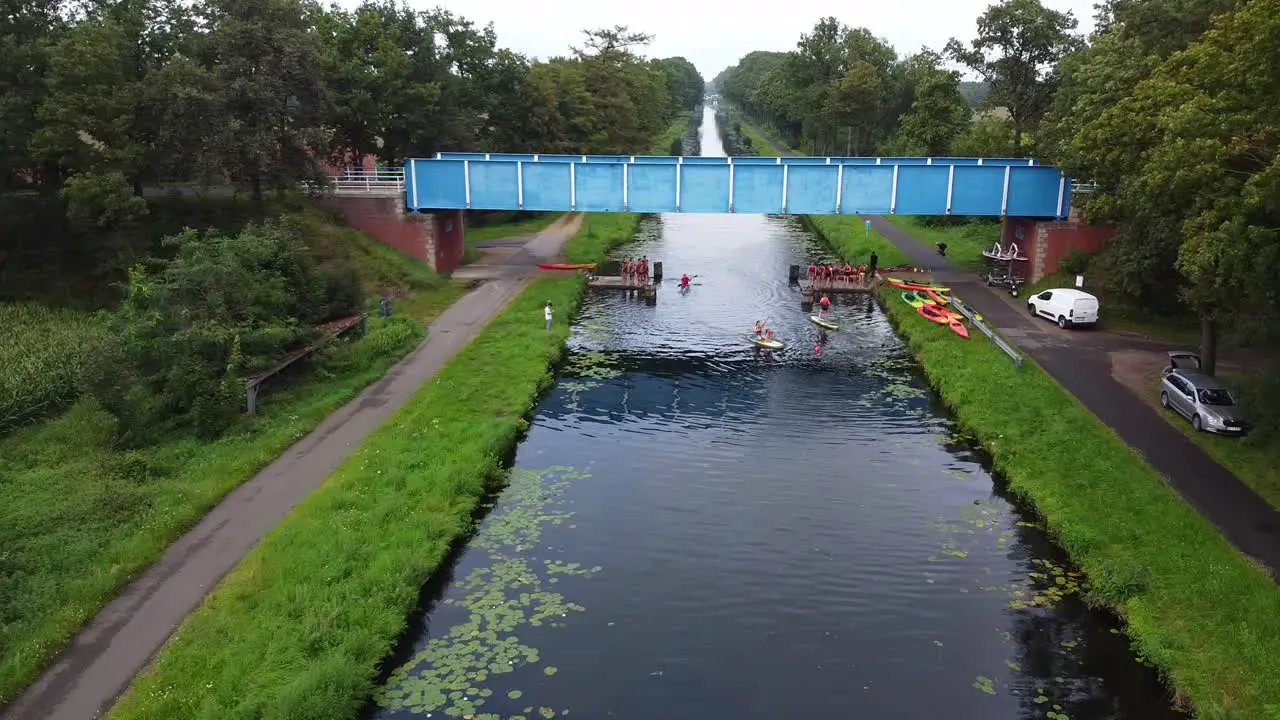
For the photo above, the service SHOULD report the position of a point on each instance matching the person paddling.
(684, 282)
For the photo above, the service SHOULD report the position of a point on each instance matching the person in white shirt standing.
(547, 312)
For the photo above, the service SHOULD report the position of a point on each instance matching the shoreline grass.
(80, 518)
(43, 359)
(849, 237)
(300, 628)
(1197, 609)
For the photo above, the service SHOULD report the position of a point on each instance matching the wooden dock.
(621, 283)
(835, 287)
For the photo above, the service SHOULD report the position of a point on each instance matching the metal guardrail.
(999, 341)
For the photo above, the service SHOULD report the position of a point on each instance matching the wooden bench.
(328, 331)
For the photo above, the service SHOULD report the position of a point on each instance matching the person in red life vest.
(759, 329)
(813, 270)
(684, 282)
(825, 304)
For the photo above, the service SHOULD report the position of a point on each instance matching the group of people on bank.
(829, 272)
(635, 269)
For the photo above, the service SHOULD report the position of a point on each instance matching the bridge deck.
(795, 186)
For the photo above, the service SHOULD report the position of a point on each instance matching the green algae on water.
(501, 597)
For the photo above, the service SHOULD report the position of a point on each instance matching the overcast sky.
(714, 34)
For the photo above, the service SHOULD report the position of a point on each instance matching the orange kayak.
(931, 313)
(566, 266)
(958, 328)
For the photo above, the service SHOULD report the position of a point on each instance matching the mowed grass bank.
(80, 517)
(1194, 606)
(300, 627)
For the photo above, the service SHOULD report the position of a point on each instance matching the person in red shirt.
(825, 304)
(813, 270)
(684, 282)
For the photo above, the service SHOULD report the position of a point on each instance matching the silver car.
(1202, 399)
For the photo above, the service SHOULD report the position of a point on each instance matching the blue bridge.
(769, 185)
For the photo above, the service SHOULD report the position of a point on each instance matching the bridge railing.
(383, 182)
(738, 160)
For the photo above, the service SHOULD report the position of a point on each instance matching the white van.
(1066, 306)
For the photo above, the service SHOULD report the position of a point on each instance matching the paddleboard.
(825, 324)
(767, 344)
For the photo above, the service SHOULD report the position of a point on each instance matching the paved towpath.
(111, 648)
(1081, 363)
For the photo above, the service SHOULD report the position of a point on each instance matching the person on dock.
(684, 282)
(871, 266)
(547, 313)
(813, 271)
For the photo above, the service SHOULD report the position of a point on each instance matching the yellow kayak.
(767, 344)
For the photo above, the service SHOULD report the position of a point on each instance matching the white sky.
(714, 34)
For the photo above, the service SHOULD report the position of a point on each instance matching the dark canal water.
(696, 531)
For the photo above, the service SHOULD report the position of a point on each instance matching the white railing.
(1083, 188)
(383, 182)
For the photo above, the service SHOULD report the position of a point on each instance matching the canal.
(696, 530)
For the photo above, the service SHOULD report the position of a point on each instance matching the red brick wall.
(1047, 242)
(386, 220)
(449, 227)
(1062, 238)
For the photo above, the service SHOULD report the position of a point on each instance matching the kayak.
(958, 328)
(925, 297)
(936, 297)
(824, 324)
(909, 297)
(931, 313)
(904, 285)
(566, 266)
(767, 344)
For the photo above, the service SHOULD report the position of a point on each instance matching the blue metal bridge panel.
(975, 191)
(651, 188)
(547, 186)
(615, 183)
(811, 190)
(436, 184)
(757, 188)
(704, 188)
(495, 185)
(922, 190)
(867, 189)
(1036, 191)
(598, 186)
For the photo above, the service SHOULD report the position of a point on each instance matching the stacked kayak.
(566, 266)
(944, 317)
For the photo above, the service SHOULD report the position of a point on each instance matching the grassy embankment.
(965, 242)
(80, 517)
(301, 626)
(664, 143)
(1194, 606)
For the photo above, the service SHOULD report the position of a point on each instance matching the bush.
(1075, 262)
(43, 359)
(190, 328)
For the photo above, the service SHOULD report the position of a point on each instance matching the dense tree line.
(103, 101)
(1169, 106)
(106, 105)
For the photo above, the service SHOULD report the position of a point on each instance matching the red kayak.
(566, 266)
(931, 313)
(917, 286)
(936, 297)
(944, 317)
